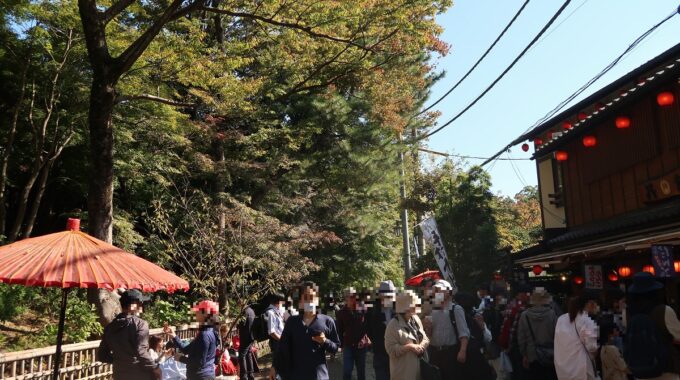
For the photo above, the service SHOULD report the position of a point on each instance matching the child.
(613, 365)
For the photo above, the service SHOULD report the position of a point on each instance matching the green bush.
(161, 311)
(12, 301)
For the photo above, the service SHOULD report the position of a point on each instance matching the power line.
(478, 61)
(571, 97)
(611, 65)
(558, 25)
(468, 157)
(533, 41)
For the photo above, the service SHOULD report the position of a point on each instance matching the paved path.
(334, 367)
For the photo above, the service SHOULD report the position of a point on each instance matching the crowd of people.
(432, 333)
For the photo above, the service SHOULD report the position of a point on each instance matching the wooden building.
(609, 177)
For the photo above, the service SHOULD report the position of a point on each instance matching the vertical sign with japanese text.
(594, 278)
(431, 234)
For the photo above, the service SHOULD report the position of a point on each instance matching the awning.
(603, 249)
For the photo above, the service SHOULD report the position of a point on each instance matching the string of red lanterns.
(663, 99)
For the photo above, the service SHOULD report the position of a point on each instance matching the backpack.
(647, 353)
(260, 328)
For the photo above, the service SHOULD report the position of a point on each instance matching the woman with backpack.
(652, 330)
(576, 339)
(536, 335)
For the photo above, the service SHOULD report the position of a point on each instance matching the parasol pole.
(60, 333)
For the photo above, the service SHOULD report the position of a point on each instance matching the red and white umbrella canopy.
(73, 259)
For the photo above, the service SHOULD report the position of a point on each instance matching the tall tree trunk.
(37, 199)
(100, 196)
(8, 151)
(23, 200)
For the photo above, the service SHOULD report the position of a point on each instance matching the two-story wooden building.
(609, 176)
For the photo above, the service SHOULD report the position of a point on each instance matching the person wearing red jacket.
(508, 338)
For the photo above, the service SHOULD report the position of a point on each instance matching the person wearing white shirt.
(576, 336)
(274, 315)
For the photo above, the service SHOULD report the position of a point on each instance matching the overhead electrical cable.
(559, 24)
(594, 79)
(589, 83)
(512, 21)
(507, 69)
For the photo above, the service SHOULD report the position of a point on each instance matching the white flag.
(431, 234)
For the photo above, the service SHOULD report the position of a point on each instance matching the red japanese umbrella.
(419, 278)
(73, 259)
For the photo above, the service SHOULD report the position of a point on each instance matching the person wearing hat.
(125, 342)
(448, 340)
(201, 350)
(537, 329)
(380, 315)
(405, 339)
(352, 328)
(646, 304)
(576, 335)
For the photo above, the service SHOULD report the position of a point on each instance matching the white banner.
(431, 234)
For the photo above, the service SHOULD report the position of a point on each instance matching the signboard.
(661, 188)
(594, 278)
(431, 234)
(662, 259)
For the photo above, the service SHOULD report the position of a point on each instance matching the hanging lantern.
(648, 268)
(538, 141)
(578, 280)
(567, 126)
(622, 122)
(625, 272)
(550, 135)
(537, 269)
(561, 155)
(582, 116)
(613, 276)
(525, 147)
(665, 98)
(676, 266)
(589, 141)
(599, 106)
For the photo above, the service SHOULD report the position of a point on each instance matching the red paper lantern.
(538, 141)
(525, 147)
(676, 266)
(622, 122)
(613, 276)
(665, 98)
(582, 116)
(625, 272)
(648, 268)
(561, 155)
(550, 135)
(578, 280)
(567, 126)
(537, 269)
(589, 141)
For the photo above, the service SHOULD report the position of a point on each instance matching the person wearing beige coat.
(405, 339)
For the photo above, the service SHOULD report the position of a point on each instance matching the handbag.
(592, 362)
(429, 371)
(506, 363)
(545, 353)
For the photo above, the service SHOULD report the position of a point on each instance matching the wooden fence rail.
(78, 361)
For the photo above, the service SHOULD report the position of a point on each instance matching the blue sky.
(578, 46)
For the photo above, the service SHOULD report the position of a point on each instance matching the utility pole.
(404, 215)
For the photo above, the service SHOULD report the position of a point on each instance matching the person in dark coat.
(125, 343)
(305, 341)
(381, 314)
(201, 350)
(352, 328)
(247, 360)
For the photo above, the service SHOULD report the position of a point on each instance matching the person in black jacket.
(381, 314)
(125, 343)
(247, 360)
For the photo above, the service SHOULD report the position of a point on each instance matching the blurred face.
(135, 309)
(387, 302)
(351, 301)
(441, 296)
(201, 317)
(309, 300)
(592, 307)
